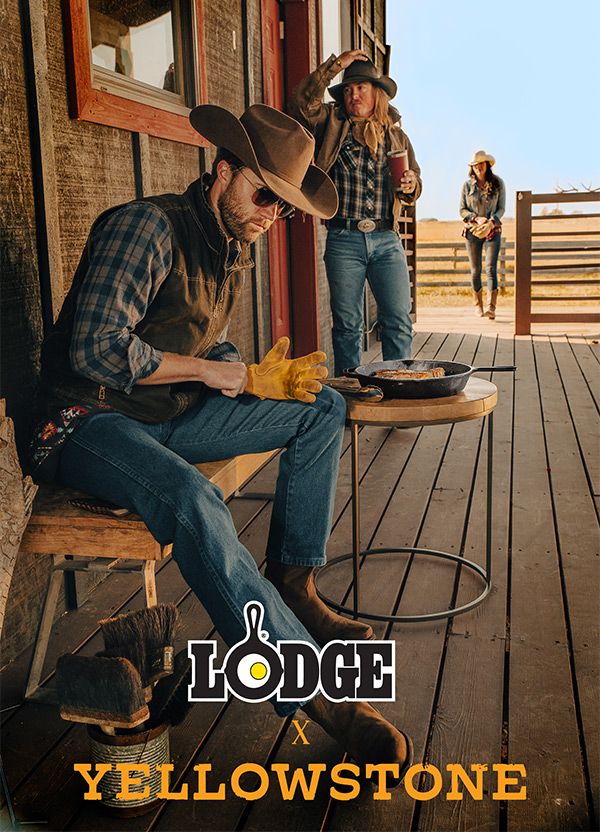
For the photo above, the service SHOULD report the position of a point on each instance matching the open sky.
(519, 79)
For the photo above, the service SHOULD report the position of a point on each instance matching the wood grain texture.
(474, 402)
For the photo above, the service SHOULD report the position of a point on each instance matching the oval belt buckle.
(366, 225)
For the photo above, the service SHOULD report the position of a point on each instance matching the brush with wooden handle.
(145, 637)
(102, 691)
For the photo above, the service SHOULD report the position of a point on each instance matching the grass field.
(450, 233)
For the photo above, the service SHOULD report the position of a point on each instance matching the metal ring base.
(433, 616)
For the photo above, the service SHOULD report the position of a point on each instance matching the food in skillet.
(435, 372)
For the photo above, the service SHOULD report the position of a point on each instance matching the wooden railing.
(570, 250)
(439, 269)
(447, 268)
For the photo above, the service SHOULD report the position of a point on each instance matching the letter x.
(300, 731)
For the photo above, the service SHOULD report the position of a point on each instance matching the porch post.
(523, 264)
(304, 273)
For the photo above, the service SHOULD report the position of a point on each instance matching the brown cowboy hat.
(276, 148)
(363, 71)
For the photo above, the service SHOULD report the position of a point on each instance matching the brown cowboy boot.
(296, 586)
(478, 301)
(490, 312)
(363, 733)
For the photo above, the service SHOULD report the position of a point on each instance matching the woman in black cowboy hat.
(354, 134)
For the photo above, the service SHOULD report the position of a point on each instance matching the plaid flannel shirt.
(130, 257)
(362, 182)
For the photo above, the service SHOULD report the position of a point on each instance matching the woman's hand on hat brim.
(347, 58)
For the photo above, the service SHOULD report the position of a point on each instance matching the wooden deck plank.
(455, 683)
(468, 718)
(578, 549)
(582, 408)
(542, 729)
(416, 680)
(587, 355)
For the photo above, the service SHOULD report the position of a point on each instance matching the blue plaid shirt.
(362, 182)
(130, 257)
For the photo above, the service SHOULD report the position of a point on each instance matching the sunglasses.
(263, 196)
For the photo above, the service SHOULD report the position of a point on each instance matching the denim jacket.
(470, 197)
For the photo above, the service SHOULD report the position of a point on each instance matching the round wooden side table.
(476, 401)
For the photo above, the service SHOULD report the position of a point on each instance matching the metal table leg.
(356, 554)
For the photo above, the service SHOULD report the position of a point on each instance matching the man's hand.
(227, 376)
(347, 58)
(408, 183)
(279, 378)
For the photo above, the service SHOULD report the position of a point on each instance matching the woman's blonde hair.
(381, 113)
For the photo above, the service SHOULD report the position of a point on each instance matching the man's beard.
(239, 224)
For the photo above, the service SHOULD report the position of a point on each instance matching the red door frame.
(298, 20)
(277, 235)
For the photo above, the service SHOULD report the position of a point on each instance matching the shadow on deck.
(514, 681)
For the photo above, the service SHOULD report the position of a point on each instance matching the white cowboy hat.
(482, 156)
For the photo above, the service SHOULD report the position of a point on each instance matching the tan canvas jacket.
(329, 125)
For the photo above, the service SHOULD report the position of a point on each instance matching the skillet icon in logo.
(253, 667)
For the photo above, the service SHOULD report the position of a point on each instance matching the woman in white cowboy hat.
(482, 203)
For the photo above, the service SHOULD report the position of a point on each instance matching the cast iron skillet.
(455, 378)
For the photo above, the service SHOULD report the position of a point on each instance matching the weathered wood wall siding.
(21, 318)
(21, 326)
(225, 25)
(325, 321)
(94, 163)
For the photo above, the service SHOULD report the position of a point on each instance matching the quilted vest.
(190, 310)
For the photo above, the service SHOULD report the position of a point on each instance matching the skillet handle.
(509, 368)
(350, 372)
(365, 394)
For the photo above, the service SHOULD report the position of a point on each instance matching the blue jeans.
(150, 469)
(351, 256)
(475, 248)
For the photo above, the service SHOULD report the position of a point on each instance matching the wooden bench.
(82, 541)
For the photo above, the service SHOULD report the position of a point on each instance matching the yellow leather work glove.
(277, 377)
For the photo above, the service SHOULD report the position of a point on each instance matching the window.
(136, 64)
(369, 23)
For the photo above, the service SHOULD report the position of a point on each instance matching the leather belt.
(361, 225)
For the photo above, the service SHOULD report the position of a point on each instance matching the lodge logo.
(254, 670)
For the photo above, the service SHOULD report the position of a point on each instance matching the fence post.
(523, 264)
(502, 268)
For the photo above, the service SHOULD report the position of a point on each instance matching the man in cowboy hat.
(137, 389)
(354, 133)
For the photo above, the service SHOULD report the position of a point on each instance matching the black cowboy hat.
(276, 148)
(363, 71)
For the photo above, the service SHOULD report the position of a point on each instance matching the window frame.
(87, 103)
